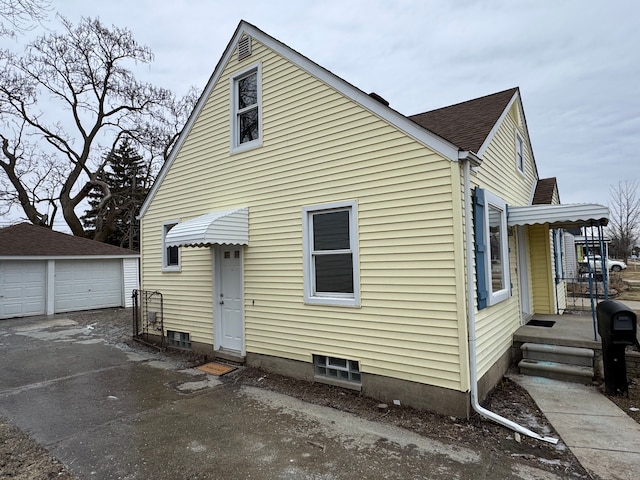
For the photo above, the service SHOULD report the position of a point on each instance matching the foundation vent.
(244, 47)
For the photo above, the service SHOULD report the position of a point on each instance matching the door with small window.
(230, 302)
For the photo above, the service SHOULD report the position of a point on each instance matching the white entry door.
(231, 318)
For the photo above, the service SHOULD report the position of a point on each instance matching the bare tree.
(69, 99)
(624, 221)
(20, 15)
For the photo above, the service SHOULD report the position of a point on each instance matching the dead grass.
(624, 282)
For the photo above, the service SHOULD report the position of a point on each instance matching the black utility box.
(618, 327)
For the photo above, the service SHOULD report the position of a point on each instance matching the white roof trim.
(228, 227)
(559, 216)
(70, 257)
(401, 122)
(497, 125)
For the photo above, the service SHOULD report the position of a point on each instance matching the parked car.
(612, 265)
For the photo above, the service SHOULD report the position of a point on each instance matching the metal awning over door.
(228, 227)
(559, 216)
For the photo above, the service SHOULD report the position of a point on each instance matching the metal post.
(603, 261)
(590, 274)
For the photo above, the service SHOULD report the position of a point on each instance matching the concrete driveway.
(108, 411)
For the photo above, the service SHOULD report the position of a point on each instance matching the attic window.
(519, 153)
(246, 109)
(244, 47)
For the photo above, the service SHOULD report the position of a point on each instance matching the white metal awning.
(228, 227)
(559, 216)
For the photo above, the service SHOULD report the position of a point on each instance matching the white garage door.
(87, 284)
(22, 288)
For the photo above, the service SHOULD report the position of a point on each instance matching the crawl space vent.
(244, 47)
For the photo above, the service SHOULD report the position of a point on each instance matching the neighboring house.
(47, 272)
(306, 227)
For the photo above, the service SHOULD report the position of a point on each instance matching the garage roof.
(559, 216)
(227, 227)
(27, 240)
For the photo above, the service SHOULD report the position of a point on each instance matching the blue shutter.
(479, 229)
(557, 253)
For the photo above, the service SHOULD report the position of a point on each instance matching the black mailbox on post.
(618, 327)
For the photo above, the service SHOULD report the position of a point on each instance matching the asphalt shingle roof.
(466, 124)
(25, 239)
(543, 194)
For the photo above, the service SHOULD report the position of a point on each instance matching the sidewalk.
(604, 439)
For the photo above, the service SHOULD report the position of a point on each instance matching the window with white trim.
(246, 121)
(492, 248)
(519, 153)
(331, 254)
(170, 254)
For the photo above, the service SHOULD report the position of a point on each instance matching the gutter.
(470, 159)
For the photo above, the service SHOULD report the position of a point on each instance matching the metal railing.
(148, 317)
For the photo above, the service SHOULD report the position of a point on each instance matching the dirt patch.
(630, 404)
(23, 459)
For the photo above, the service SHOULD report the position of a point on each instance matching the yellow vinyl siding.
(500, 175)
(541, 275)
(320, 147)
(495, 324)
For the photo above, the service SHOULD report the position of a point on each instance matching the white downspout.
(467, 158)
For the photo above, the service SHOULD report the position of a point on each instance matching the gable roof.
(401, 122)
(543, 194)
(26, 240)
(468, 124)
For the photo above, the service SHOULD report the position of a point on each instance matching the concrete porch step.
(229, 356)
(558, 354)
(556, 370)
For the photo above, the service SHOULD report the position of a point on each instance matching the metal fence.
(148, 317)
(589, 286)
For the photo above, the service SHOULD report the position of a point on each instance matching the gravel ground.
(21, 458)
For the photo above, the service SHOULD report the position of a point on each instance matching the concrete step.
(557, 371)
(558, 354)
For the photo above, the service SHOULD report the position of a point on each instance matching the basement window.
(337, 370)
(179, 339)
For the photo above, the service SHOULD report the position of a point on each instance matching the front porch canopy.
(227, 227)
(565, 216)
(559, 216)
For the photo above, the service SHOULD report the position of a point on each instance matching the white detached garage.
(47, 272)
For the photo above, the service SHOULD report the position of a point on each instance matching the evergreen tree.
(111, 217)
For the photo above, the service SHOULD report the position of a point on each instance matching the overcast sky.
(577, 63)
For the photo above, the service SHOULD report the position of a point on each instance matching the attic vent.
(378, 98)
(244, 47)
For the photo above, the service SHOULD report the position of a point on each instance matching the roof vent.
(377, 97)
(244, 47)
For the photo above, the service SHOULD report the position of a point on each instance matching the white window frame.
(493, 298)
(166, 226)
(311, 296)
(236, 146)
(520, 153)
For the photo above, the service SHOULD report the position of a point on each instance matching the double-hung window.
(246, 128)
(331, 254)
(170, 254)
(492, 248)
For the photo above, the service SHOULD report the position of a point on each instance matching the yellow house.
(305, 227)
